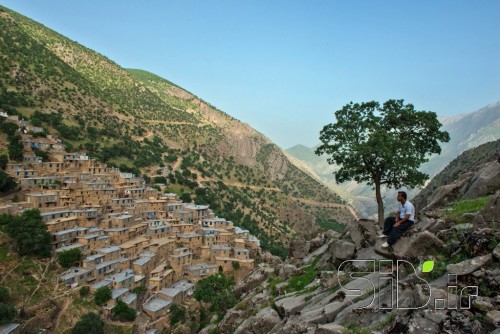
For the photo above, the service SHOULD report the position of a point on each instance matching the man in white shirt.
(395, 227)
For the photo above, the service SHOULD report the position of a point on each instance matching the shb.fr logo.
(385, 281)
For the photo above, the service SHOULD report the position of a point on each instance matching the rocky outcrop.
(411, 246)
(469, 266)
(363, 233)
(484, 182)
(253, 280)
(490, 215)
(299, 248)
(265, 320)
(343, 250)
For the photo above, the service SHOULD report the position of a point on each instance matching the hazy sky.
(284, 67)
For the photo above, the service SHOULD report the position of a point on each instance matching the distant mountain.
(466, 131)
(141, 122)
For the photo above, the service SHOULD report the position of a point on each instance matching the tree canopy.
(381, 145)
(68, 258)
(29, 231)
(102, 295)
(217, 290)
(89, 323)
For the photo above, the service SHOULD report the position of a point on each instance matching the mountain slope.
(140, 122)
(466, 131)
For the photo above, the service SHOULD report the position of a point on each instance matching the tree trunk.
(380, 204)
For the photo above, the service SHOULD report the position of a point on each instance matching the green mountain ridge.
(141, 122)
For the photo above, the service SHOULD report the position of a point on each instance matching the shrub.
(102, 295)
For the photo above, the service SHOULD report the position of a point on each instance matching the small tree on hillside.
(67, 258)
(89, 323)
(381, 145)
(30, 233)
(217, 290)
(102, 295)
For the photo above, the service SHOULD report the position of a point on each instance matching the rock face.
(496, 252)
(299, 248)
(261, 323)
(412, 246)
(343, 250)
(484, 182)
(363, 233)
(286, 270)
(447, 193)
(490, 215)
(253, 280)
(469, 266)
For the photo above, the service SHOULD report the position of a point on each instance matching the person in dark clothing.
(395, 227)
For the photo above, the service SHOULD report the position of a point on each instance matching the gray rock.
(286, 270)
(330, 329)
(318, 252)
(485, 181)
(254, 279)
(440, 225)
(363, 233)
(469, 266)
(496, 252)
(261, 323)
(483, 304)
(291, 305)
(494, 317)
(299, 248)
(317, 242)
(447, 193)
(424, 322)
(343, 250)
(366, 254)
(490, 215)
(230, 321)
(412, 246)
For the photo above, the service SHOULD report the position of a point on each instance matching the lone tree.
(381, 145)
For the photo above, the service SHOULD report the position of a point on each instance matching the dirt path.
(242, 185)
(177, 164)
(41, 278)
(328, 205)
(61, 312)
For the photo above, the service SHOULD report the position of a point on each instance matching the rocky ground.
(316, 291)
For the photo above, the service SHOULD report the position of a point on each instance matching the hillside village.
(131, 235)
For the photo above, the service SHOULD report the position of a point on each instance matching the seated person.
(395, 227)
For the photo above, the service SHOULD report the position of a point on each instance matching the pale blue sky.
(284, 67)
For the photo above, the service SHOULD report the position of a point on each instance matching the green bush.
(177, 314)
(124, 312)
(217, 290)
(102, 295)
(68, 258)
(84, 291)
(29, 233)
(7, 313)
(89, 323)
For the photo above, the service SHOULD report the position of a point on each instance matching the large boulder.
(299, 248)
(469, 266)
(411, 246)
(291, 305)
(496, 252)
(286, 270)
(447, 193)
(485, 181)
(490, 215)
(254, 279)
(343, 250)
(363, 233)
(263, 322)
